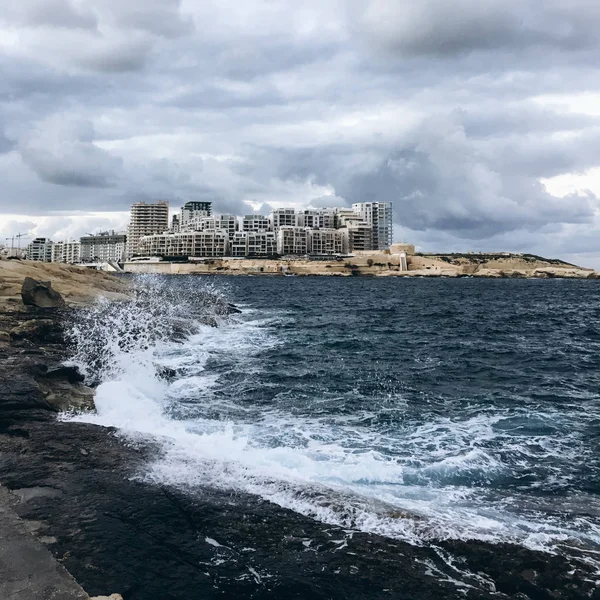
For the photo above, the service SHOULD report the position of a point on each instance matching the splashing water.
(245, 409)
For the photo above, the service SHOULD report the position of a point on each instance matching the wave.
(465, 476)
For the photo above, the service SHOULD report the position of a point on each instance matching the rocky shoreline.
(79, 490)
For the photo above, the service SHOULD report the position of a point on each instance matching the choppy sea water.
(419, 409)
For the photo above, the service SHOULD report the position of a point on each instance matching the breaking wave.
(234, 408)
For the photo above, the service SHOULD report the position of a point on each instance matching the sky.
(478, 119)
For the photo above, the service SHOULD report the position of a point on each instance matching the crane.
(12, 242)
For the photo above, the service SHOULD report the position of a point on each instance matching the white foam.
(404, 485)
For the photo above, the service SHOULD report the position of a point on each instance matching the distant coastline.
(375, 264)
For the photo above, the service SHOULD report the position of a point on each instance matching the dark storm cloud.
(61, 151)
(438, 27)
(53, 13)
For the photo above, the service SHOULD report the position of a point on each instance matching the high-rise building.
(146, 219)
(66, 252)
(379, 216)
(103, 247)
(39, 249)
(211, 243)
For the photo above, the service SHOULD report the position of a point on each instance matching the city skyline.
(479, 123)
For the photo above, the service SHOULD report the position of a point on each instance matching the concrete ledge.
(28, 571)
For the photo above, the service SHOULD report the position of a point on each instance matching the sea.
(469, 408)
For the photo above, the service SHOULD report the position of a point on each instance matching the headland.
(389, 263)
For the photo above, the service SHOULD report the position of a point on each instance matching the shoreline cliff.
(377, 264)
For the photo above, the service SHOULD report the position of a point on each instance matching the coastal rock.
(63, 395)
(37, 330)
(111, 597)
(40, 294)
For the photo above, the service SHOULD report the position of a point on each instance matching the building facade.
(39, 249)
(103, 247)
(292, 240)
(328, 241)
(66, 252)
(146, 219)
(317, 218)
(283, 217)
(379, 216)
(211, 243)
(360, 237)
(256, 223)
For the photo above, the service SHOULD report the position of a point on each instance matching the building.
(211, 243)
(189, 212)
(328, 241)
(262, 243)
(283, 217)
(292, 240)
(317, 218)
(255, 223)
(66, 252)
(228, 223)
(39, 249)
(238, 245)
(254, 244)
(146, 219)
(345, 216)
(103, 247)
(379, 216)
(360, 236)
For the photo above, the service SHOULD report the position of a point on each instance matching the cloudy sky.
(478, 119)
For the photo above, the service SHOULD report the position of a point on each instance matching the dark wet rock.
(166, 373)
(36, 330)
(62, 395)
(233, 309)
(70, 373)
(40, 294)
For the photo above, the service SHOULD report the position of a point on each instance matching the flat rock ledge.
(28, 571)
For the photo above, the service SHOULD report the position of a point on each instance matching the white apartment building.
(317, 218)
(253, 244)
(379, 216)
(256, 223)
(211, 243)
(292, 240)
(228, 223)
(103, 247)
(39, 249)
(66, 252)
(283, 217)
(344, 216)
(146, 219)
(262, 243)
(328, 241)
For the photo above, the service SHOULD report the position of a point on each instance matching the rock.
(37, 330)
(71, 373)
(232, 309)
(63, 395)
(40, 294)
(111, 597)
